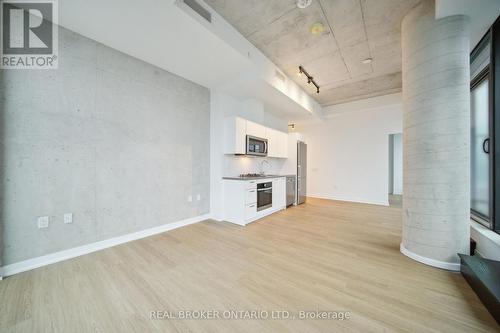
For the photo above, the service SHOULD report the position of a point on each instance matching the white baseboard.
(48, 259)
(369, 202)
(428, 261)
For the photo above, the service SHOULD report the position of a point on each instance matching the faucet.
(262, 166)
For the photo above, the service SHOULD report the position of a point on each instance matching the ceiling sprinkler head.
(303, 3)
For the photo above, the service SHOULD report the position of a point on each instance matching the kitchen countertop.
(257, 178)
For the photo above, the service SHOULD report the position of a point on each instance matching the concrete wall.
(115, 141)
(348, 154)
(436, 127)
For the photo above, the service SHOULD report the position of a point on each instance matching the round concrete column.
(436, 126)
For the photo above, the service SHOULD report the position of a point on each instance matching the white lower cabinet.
(250, 196)
(250, 211)
(240, 199)
(250, 201)
(279, 193)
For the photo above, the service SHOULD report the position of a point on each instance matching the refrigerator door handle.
(299, 172)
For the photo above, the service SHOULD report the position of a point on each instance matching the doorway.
(395, 185)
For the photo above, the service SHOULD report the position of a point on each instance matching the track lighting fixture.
(310, 79)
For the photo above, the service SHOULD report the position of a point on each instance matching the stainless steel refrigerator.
(301, 172)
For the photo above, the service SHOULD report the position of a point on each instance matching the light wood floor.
(322, 255)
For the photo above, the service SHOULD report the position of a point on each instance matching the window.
(480, 157)
(485, 122)
(480, 168)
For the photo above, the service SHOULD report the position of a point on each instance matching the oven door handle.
(265, 189)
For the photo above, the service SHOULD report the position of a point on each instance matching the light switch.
(43, 222)
(68, 218)
(198, 197)
(190, 198)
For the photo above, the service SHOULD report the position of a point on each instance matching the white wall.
(224, 105)
(348, 154)
(397, 182)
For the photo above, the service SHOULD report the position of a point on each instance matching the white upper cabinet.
(235, 135)
(236, 129)
(272, 142)
(277, 143)
(255, 129)
(282, 144)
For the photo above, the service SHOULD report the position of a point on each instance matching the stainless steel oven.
(264, 195)
(256, 146)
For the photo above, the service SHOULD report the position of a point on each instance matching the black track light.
(310, 79)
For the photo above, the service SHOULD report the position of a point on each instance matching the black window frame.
(492, 73)
(495, 119)
(485, 74)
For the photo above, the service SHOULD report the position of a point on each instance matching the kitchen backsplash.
(235, 165)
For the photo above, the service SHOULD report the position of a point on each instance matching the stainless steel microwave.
(256, 146)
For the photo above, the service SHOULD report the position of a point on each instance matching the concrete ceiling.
(354, 30)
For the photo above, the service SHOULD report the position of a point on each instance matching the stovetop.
(253, 176)
(249, 175)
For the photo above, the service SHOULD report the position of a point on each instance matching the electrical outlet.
(190, 198)
(43, 222)
(198, 197)
(68, 218)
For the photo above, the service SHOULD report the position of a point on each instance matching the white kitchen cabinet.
(277, 143)
(272, 143)
(250, 196)
(235, 135)
(236, 130)
(255, 129)
(250, 211)
(279, 193)
(240, 199)
(282, 139)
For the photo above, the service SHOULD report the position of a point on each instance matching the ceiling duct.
(280, 75)
(199, 9)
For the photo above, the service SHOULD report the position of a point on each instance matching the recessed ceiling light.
(303, 3)
(317, 28)
(367, 61)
